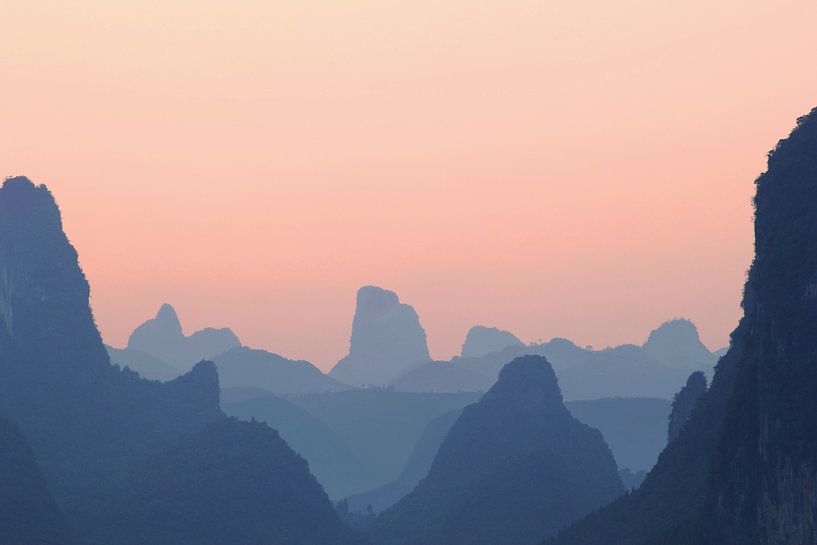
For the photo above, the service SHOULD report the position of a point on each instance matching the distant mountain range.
(658, 368)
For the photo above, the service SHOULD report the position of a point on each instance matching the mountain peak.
(168, 318)
(676, 342)
(482, 340)
(528, 376)
(387, 340)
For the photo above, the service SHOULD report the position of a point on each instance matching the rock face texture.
(163, 337)
(29, 514)
(387, 340)
(483, 340)
(515, 466)
(683, 404)
(741, 470)
(92, 426)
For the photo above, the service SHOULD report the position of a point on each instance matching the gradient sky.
(565, 168)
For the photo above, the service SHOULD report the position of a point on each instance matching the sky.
(571, 168)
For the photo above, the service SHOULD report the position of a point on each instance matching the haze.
(561, 168)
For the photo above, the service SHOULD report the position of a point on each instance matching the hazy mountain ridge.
(656, 369)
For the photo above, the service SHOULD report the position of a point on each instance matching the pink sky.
(554, 167)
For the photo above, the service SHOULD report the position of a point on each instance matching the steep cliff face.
(684, 402)
(741, 471)
(387, 340)
(94, 428)
(767, 452)
(514, 467)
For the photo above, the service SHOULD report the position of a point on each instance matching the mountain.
(148, 366)
(30, 515)
(676, 343)
(652, 370)
(683, 404)
(233, 482)
(333, 463)
(441, 377)
(387, 340)
(99, 432)
(414, 471)
(163, 338)
(514, 467)
(738, 471)
(381, 427)
(250, 368)
(483, 340)
(634, 428)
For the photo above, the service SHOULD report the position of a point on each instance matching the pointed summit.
(168, 319)
(387, 340)
(163, 337)
(514, 468)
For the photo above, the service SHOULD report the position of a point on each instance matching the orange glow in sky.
(569, 168)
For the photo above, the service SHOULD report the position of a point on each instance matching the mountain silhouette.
(739, 469)
(163, 337)
(676, 343)
(658, 369)
(250, 368)
(483, 340)
(514, 467)
(100, 432)
(386, 341)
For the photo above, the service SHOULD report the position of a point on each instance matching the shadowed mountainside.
(736, 472)
(94, 427)
(28, 513)
(333, 463)
(415, 470)
(514, 466)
